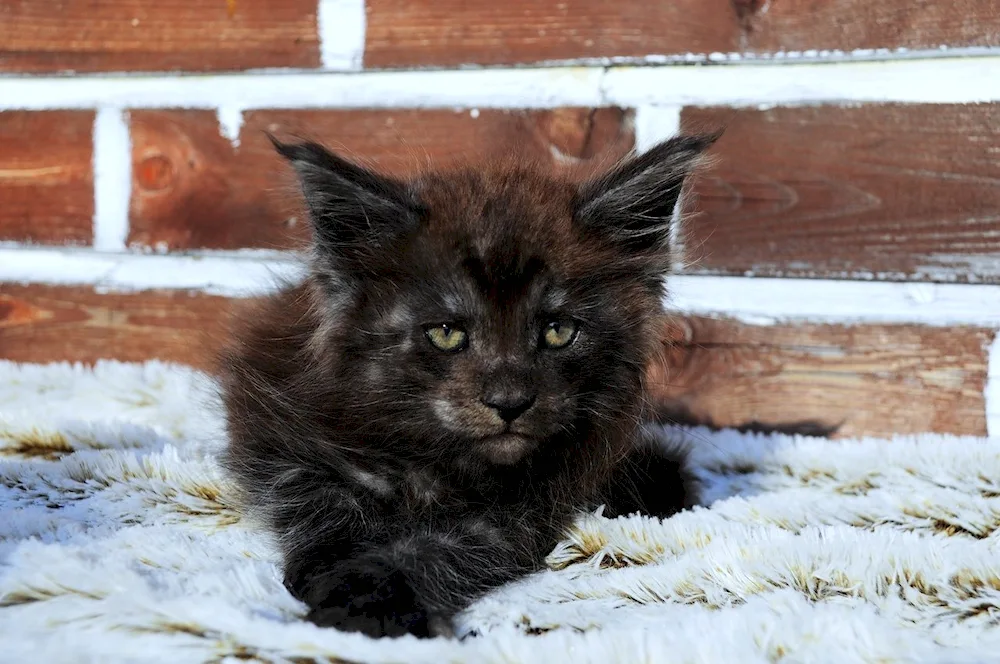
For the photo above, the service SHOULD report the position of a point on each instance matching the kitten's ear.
(633, 203)
(351, 208)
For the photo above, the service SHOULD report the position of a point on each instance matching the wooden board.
(133, 35)
(46, 180)
(847, 25)
(130, 35)
(58, 323)
(869, 379)
(878, 191)
(862, 380)
(193, 189)
(447, 33)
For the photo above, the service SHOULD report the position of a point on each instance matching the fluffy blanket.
(119, 541)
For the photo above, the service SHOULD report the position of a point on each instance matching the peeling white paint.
(920, 81)
(972, 272)
(929, 81)
(753, 300)
(127, 272)
(230, 123)
(500, 88)
(992, 392)
(758, 300)
(955, 266)
(834, 56)
(341, 33)
(112, 179)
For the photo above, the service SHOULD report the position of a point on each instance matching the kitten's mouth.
(506, 448)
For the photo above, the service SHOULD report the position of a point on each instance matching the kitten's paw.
(366, 597)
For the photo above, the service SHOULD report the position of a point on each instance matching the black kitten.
(461, 372)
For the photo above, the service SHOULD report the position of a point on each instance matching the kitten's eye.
(447, 337)
(559, 333)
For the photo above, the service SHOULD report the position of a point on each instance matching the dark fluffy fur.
(403, 481)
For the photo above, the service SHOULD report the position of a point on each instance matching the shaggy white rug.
(119, 542)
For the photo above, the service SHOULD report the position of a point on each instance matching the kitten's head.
(486, 314)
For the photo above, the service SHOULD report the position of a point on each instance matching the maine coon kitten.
(460, 373)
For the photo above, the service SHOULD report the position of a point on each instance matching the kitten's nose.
(509, 405)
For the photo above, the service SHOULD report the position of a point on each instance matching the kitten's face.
(499, 326)
(496, 312)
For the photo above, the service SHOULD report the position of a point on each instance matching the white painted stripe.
(932, 81)
(112, 179)
(992, 392)
(654, 124)
(341, 33)
(230, 123)
(828, 56)
(217, 275)
(534, 88)
(763, 301)
(754, 300)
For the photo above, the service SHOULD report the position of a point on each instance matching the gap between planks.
(992, 390)
(753, 300)
(112, 179)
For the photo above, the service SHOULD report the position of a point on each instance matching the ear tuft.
(352, 209)
(633, 203)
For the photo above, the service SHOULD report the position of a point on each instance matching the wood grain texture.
(132, 35)
(46, 180)
(896, 192)
(847, 25)
(444, 33)
(193, 189)
(76, 324)
(868, 379)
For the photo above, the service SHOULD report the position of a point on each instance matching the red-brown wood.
(446, 33)
(878, 191)
(60, 323)
(869, 379)
(866, 379)
(133, 35)
(46, 180)
(848, 25)
(193, 189)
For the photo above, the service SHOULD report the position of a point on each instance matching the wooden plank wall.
(883, 191)
(190, 35)
(873, 191)
(46, 177)
(193, 189)
(132, 35)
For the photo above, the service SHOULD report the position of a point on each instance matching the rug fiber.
(119, 541)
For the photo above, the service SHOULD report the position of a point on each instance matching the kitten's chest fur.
(419, 489)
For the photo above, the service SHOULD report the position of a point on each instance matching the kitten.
(461, 372)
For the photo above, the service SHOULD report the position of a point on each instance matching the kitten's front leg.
(359, 595)
(331, 530)
(650, 480)
(411, 583)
